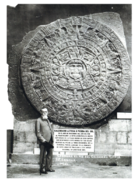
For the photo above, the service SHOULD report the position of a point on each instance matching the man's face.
(44, 114)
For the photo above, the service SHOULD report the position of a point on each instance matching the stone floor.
(80, 170)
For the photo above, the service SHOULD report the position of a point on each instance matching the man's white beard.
(44, 116)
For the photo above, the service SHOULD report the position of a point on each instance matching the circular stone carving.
(77, 68)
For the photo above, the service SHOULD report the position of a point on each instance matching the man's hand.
(47, 144)
(44, 141)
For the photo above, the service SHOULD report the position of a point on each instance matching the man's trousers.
(45, 157)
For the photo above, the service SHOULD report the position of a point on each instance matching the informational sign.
(79, 140)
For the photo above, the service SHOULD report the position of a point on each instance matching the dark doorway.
(8, 143)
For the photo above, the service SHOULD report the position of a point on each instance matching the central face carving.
(77, 69)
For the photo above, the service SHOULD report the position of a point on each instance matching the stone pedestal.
(66, 160)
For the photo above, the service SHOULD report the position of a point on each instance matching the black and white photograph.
(69, 90)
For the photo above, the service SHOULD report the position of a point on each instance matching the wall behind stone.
(113, 138)
(24, 18)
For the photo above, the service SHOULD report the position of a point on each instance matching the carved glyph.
(77, 68)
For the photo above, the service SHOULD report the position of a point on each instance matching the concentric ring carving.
(77, 68)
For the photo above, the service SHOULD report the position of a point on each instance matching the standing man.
(44, 134)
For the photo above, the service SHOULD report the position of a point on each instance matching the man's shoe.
(43, 172)
(50, 170)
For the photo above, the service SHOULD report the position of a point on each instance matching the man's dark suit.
(44, 133)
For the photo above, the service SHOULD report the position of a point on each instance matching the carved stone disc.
(77, 68)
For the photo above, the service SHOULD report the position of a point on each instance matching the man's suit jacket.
(44, 131)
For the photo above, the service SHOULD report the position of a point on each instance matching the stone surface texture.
(130, 137)
(76, 67)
